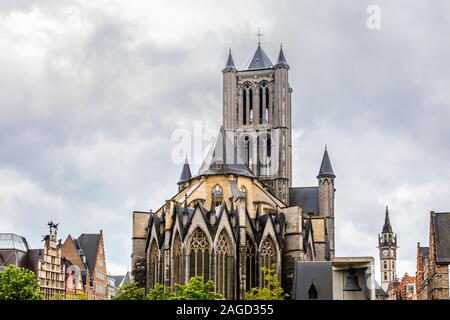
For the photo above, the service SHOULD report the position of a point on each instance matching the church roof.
(260, 60)
(185, 172)
(230, 63)
(326, 170)
(281, 58)
(306, 197)
(441, 224)
(223, 158)
(387, 224)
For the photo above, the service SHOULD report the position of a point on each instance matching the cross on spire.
(259, 35)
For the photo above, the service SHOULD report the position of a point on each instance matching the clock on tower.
(387, 244)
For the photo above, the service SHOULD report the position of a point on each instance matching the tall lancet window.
(224, 265)
(199, 255)
(153, 265)
(250, 264)
(266, 113)
(247, 104)
(268, 255)
(264, 144)
(178, 274)
(247, 150)
(264, 100)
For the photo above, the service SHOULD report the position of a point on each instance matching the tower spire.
(185, 173)
(281, 58)
(387, 223)
(230, 62)
(326, 170)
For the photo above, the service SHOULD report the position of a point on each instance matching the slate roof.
(88, 242)
(317, 273)
(260, 60)
(306, 197)
(387, 224)
(230, 63)
(281, 58)
(441, 223)
(121, 279)
(185, 172)
(424, 253)
(326, 170)
(379, 291)
(223, 151)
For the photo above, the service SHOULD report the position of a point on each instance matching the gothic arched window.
(199, 255)
(250, 264)
(224, 268)
(153, 264)
(178, 274)
(268, 254)
(264, 145)
(247, 104)
(244, 106)
(385, 276)
(264, 100)
(217, 195)
(385, 265)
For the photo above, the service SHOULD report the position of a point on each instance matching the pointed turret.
(326, 170)
(230, 63)
(185, 174)
(281, 62)
(260, 60)
(387, 224)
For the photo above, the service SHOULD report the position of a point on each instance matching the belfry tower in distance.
(387, 244)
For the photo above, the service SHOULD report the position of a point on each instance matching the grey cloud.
(86, 130)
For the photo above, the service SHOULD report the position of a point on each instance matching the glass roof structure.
(13, 241)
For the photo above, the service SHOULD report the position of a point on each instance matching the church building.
(240, 212)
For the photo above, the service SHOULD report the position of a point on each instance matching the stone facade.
(239, 213)
(257, 108)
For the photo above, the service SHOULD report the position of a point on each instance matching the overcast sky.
(91, 92)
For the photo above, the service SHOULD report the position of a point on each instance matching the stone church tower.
(387, 244)
(257, 112)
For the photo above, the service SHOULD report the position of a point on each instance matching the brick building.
(408, 288)
(86, 257)
(433, 262)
